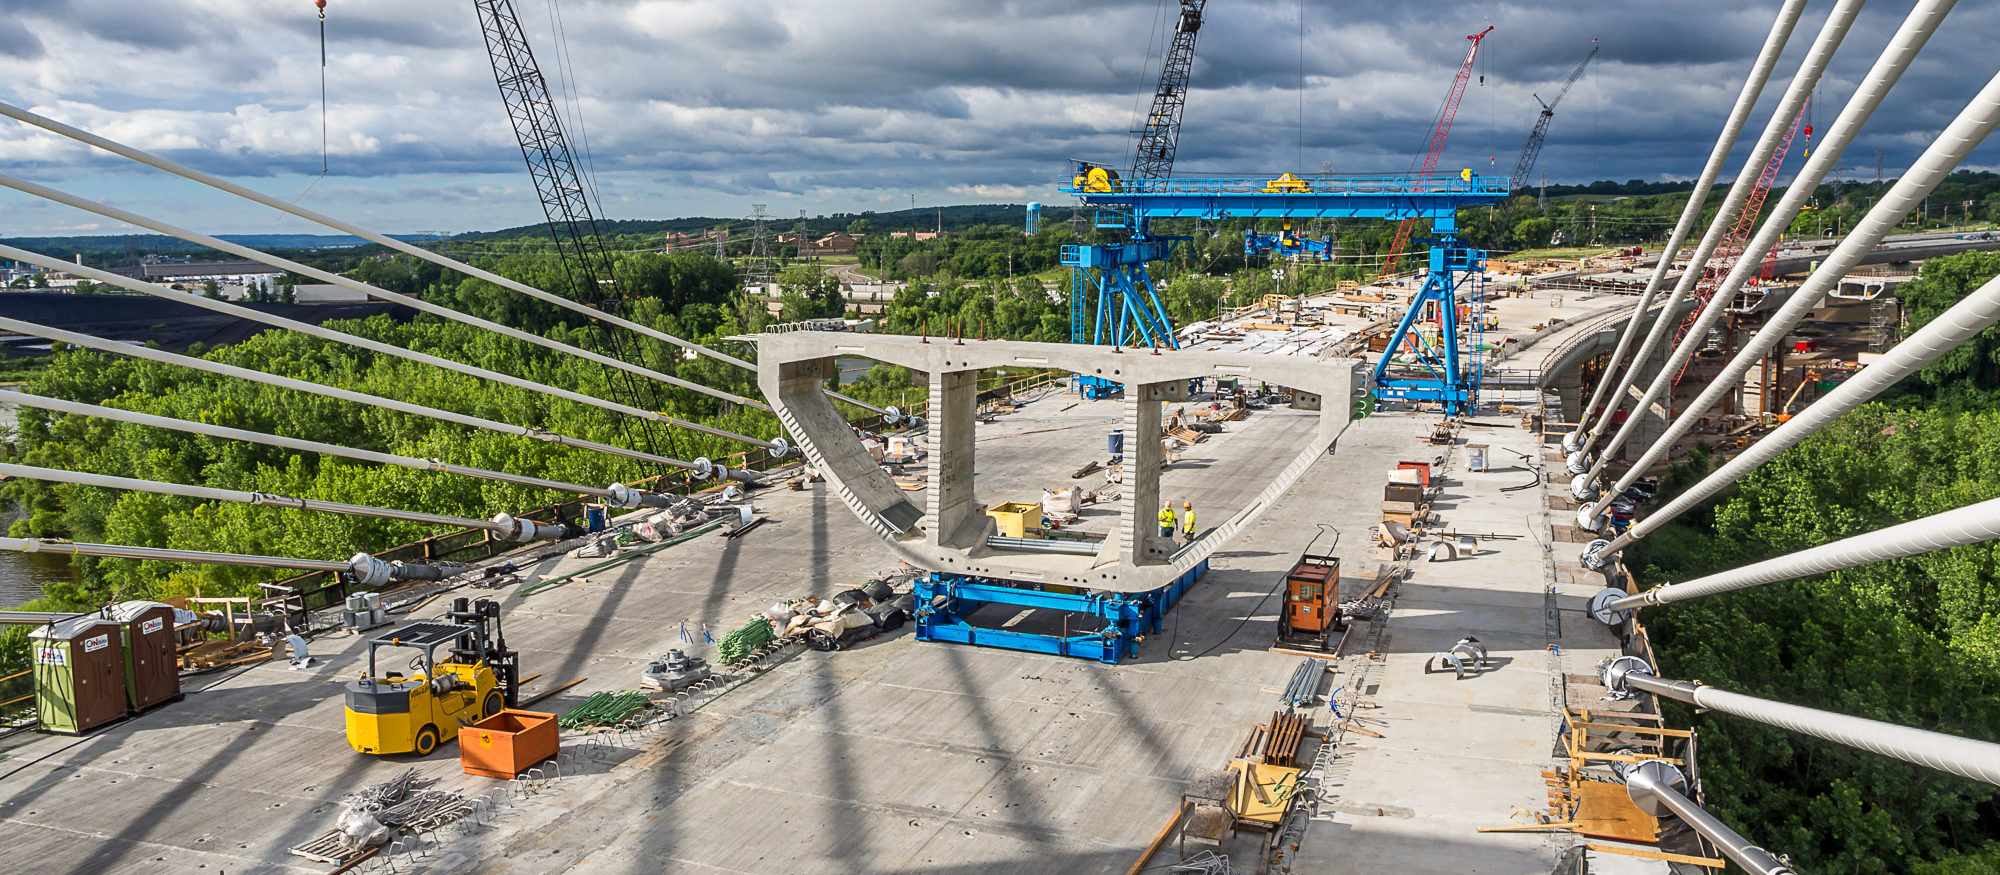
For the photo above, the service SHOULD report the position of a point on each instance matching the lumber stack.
(220, 653)
(1276, 742)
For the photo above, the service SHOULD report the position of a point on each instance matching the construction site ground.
(899, 755)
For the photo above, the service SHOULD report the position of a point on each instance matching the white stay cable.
(242, 312)
(701, 467)
(1746, 100)
(1978, 312)
(1965, 133)
(617, 493)
(1830, 36)
(503, 525)
(216, 182)
(411, 301)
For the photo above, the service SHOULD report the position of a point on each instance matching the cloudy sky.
(703, 107)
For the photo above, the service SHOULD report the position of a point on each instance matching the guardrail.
(1349, 184)
(17, 697)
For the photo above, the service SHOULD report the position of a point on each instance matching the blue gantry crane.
(1436, 370)
(1114, 275)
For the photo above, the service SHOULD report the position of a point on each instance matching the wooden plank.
(1532, 827)
(1605, 811)
(1146, 856)
(1705, 862)
(550, 692)
(1639, 730)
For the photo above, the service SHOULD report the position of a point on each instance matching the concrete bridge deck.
(903, 756)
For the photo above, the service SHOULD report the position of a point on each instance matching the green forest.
(1914, 642)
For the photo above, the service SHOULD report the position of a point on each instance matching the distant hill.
(121, 250)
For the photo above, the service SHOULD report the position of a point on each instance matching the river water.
(23, 574)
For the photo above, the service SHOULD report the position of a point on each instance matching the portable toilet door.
(152, 654)
(79, 674)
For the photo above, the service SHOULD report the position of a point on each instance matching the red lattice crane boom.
(1730, 249)
(1438, 132)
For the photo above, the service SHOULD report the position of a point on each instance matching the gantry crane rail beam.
(1376, 196)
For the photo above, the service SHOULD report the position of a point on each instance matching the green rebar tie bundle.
(741, 643)
(605, 709)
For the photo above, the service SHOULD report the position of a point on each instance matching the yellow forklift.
(395, 712)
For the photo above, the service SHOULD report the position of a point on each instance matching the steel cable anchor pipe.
(1659, 789)
(1964, 757)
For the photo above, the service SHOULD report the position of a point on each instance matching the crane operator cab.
(392, 710)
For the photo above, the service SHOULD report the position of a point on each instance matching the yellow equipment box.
(1016, 519)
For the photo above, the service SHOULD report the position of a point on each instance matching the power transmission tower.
(757, 268)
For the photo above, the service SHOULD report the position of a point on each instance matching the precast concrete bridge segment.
(949, 534)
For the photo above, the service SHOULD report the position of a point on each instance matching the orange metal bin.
(508, 743)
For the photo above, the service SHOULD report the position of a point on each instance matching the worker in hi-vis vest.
(1187, 520)
(1167, 520)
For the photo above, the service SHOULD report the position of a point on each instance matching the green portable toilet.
(152, 653)
(79, 674)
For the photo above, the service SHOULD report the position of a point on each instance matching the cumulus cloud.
(699, 107)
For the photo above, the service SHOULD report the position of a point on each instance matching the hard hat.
(1187, 504)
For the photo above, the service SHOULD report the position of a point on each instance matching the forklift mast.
(487, 643)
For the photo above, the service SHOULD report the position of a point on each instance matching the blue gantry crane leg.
(1452, 377)
(1112, 300)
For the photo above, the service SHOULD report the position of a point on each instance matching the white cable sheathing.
(222, 431)
(1949, 148)
(164, 357)
(217, 182)
(1971, 524)
(263, 499)
(1824, 44)
(1968, 317)
(1964, 757)
(241, 312)
(162, 554)
(1739, 115)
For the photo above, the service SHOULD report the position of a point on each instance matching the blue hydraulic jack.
(1101, 626)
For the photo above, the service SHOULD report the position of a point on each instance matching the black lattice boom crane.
(565, 198)
(1533, 150)
(1162, 134)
